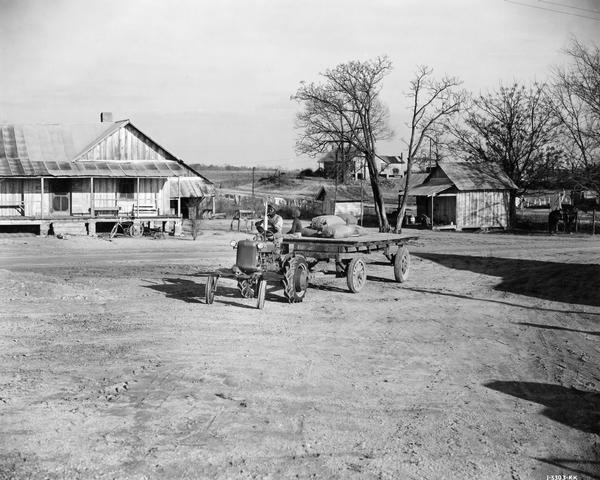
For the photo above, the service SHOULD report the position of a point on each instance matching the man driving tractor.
(274, 224)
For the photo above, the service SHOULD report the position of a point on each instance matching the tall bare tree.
(433, 103)
(514, 128)
(345, 111)
(576, 101)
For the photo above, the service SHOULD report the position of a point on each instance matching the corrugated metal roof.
(52, 150)
(191, 187)
(472, 176)
(427, 190)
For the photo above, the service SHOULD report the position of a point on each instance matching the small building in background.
(458, 195)
(348, 199)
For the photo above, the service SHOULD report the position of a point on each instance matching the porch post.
(432, 211)
(137, 198)
(92, 201)
(179, 196)
(42, 198)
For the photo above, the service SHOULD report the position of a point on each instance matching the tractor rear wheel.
(245, 288)
(402, 265)
(295, 279)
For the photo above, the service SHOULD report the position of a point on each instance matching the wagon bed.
(348, 254)
(322, 248)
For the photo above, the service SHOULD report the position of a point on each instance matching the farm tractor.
(260, 260)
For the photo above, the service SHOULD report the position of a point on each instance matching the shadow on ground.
(556, 327)
(193, 291)
(561, 282)
(572, 407)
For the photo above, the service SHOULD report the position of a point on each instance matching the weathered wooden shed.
(459, 195)
(74, 177)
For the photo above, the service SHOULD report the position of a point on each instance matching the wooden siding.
(482, 209)
(126, 144)
(154, 192)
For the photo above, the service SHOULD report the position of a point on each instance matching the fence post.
(594, 221)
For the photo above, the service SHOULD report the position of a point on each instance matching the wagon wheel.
(295, 279)
(262, 292)
(402, 265)
(356, 275)
(210, 289)
(245, 288)
(136, 230)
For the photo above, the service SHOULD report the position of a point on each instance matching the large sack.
(310, 232)
(339, 231)
(348, 218)
(319, 222)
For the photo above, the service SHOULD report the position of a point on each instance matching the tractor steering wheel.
(269, 236)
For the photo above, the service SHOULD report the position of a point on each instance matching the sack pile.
(332, 226)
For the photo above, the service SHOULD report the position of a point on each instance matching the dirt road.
(483, 365)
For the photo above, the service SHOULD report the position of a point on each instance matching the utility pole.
(253, 170)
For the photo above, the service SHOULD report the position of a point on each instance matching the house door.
(60, 196)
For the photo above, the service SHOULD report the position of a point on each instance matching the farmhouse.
(462, 195)
(75, 178)
(355, 166)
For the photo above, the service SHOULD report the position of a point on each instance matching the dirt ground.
(484, 365)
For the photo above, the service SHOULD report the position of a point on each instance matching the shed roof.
(475, 176)
(191, 187)
(54, 150)
(429, 189)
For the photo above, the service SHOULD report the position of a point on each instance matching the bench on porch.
(18, 206)
(106, 211)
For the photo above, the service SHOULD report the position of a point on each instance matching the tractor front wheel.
(210, 289)
(262, 292)
(295, 279)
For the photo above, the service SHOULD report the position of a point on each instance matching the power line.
(564, 5)
(553, 10)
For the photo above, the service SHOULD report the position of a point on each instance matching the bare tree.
(433, 103)
(513, 128)
(345, 110)
(576, 101)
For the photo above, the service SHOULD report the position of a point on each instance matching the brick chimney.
(106, 117)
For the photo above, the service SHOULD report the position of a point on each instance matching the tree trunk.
(384, 225)
(512, 209)
(402, 203)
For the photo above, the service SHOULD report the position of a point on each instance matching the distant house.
(77, 177)
(388, 166)
(391, 166)
(462, 196)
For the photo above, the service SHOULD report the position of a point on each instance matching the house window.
(396, 171)
(126, 188)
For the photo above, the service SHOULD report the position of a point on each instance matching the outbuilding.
(73, 178)
(461, 195)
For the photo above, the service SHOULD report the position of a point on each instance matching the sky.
(211, 81)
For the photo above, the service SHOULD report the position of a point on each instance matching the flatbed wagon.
(348, 254)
